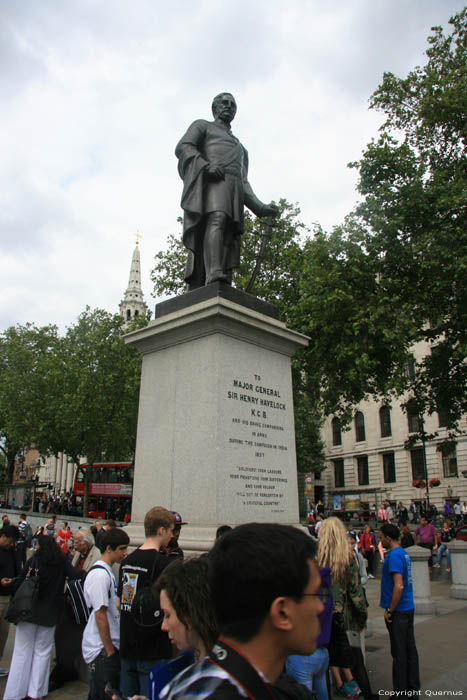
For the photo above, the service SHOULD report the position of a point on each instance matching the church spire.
(133, 303)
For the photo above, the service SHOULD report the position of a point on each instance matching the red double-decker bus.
(110, 489)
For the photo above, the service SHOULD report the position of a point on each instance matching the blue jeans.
(134, 678)
(441, 549)
(310, 671)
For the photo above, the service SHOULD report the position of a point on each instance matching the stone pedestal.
(458, 550)
(424, 604)
(216, 437)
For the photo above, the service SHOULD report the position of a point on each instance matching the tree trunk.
(11, 459)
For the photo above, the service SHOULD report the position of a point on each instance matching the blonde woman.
(334, 552)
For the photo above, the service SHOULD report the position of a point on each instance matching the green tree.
(414, 185)
(354, 334)
(24, 352)
(92, 393)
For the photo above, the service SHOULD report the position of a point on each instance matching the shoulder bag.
(22, 604)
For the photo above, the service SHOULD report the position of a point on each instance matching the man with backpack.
(142, 641)
(101, 637)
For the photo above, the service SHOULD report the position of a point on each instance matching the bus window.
(92, 505)
(126, 475)
(111, 475)
(80, 475)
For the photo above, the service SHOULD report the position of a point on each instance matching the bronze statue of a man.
(213, 165)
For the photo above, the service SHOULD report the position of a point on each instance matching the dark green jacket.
(351, 599)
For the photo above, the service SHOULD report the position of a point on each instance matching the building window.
(128, 314)
(410, 367)
(339, 479)
(336, 432)
(443, 417)
(414, 423)
(359, 427)
(362, 466)
(389, 467)
(449, 458)
(418, 464)
(385, 421)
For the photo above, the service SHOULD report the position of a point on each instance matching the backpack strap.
(98, 566)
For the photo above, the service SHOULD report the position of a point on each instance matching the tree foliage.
(24, 352)
(414, 183)
(76, 394)
(354, 333)
(94, 388)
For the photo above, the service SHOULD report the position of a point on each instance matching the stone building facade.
(369, 459)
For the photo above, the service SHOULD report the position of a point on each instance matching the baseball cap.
(178, 518)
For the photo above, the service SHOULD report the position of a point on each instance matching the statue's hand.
(214, 172)
(271, 210)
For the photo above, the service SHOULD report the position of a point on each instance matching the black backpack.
(74, 593)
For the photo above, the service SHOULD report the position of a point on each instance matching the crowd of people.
(426, 535)
(402, 514)
(270, 608)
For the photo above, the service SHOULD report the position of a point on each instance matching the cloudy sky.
(96, 93)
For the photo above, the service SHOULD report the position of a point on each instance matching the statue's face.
(224, 107)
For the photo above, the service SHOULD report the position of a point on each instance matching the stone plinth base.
(216, 439)
(423, 602)
(458, 550)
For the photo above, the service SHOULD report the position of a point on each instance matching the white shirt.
(97, 587)
(318, 527)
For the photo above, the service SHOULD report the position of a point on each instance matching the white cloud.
(96, 95)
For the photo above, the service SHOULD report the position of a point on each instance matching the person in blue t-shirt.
(397, 602)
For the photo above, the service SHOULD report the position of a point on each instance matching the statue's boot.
(218, 277)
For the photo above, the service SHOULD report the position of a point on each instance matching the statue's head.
(224, 107)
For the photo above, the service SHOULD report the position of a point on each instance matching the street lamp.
(425, 467)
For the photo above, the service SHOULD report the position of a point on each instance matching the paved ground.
(441, 642)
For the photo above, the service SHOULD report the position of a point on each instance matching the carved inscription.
(259, 436)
